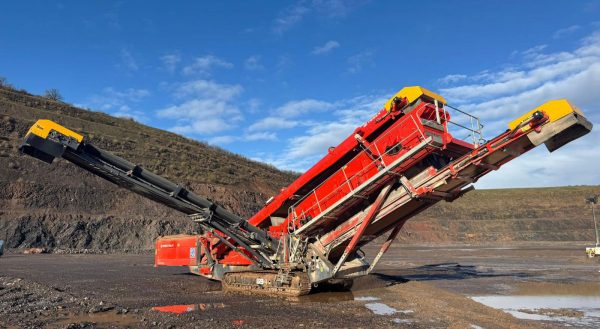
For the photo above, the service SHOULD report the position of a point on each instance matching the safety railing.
(352, 182)
(469, 123)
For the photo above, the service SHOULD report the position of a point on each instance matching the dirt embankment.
(504, 215)
(62, 206)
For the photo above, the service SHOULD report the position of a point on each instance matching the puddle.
(402, 321)
(381, 308)
(365, 298)
(103, 318)
(581, 311)
(180, 309)
(553, 288)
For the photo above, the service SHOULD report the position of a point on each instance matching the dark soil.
(424, 286)
(125, 288)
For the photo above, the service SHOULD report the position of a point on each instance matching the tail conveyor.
(396, 165)
(47, 140)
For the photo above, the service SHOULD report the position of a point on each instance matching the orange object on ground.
(176, 250)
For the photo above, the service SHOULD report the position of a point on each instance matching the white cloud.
(287, 116)
(566, 31)
(509, 82)
(319, 138)
(360, 109)
(580, 87)
(221, 140)
(207, 108)
(128, 61)
(306, 149)
(272, 123)
(503, 95)
(260, 136)
(205, 64)
(228, 139)
(533, 50)
(348, 115)
(112, 16)
(574, 164)
(290, 17)
(537, 78)
(201, 125)
(130, 94)
(126, 112)
(253, 63)
(208, 89)
(310, 144)
(452, 78)
(170, 61)
(357, 62)
(330, 9)
(296, 108)
(118, 102)
(284, 62)
(326, 48)
(335, 8)
(202, 116)
(199, 109)
(253, 105)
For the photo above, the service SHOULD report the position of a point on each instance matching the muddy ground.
(414, 287)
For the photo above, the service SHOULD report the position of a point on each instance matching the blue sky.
(280, 81)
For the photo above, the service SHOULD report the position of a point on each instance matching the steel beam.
(386, 245)
(385, 192)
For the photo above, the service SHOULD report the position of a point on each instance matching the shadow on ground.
(442, 271)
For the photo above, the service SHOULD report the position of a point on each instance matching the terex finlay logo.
(167, 245)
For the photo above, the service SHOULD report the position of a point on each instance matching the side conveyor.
(47, 140)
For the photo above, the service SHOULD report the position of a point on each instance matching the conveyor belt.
(134, 178)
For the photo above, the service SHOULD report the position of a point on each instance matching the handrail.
(475, 130)
(348, 180)
(475, 133)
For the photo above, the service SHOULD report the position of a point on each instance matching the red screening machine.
(399, 163)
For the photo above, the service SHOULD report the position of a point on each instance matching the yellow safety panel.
(42, 128)
(412, 94)
(555, 110)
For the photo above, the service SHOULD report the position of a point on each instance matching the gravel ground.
(413, 288)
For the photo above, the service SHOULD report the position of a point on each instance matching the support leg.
(386, 245)
(366, 221)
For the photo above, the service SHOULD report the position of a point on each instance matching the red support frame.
(385, 192)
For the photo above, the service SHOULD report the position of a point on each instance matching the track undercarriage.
(287, 284)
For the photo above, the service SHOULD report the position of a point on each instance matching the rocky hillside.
(61, 206)
(532, 214)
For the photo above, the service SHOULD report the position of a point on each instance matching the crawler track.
(267, 283)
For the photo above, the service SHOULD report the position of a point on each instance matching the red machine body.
(400, 162)
(388, 136)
